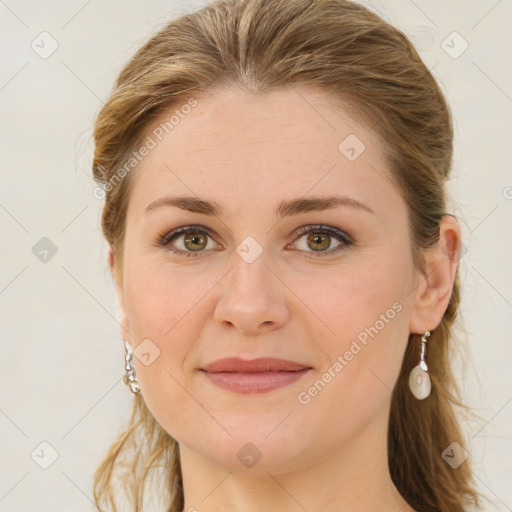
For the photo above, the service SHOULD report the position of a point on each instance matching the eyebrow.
(285, 208)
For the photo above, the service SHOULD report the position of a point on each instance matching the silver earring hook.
(423, 363)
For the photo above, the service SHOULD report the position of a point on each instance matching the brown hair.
(367, 64)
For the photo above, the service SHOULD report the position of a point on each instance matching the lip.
(253, 376)
(262, 364)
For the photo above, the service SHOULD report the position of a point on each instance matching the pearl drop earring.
(419, 379)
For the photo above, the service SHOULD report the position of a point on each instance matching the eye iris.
(196, 239)
(319, 239)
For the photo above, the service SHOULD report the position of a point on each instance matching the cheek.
(361, 362)
(367, 309)
(169, 307)
(160, 307)
(160, 298)
(358, 295)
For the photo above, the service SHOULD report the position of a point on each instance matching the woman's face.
(277, 270)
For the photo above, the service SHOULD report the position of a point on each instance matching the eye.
(187, 240)
(193, 240)
(317, 239)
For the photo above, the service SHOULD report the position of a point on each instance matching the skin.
(248, 154)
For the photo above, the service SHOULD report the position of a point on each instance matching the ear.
(435, 284)
(119, 294)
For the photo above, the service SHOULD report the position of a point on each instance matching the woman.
(286, 270)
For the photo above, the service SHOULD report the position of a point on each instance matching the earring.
(129, 378)
(419, 379)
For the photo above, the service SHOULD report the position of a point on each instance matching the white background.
(61, 358)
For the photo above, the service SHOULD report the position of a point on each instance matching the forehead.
(267, 146)
(233, 118)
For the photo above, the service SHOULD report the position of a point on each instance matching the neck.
(350, 477)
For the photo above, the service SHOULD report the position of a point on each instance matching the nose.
(252, 298)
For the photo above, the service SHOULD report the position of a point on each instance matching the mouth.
(254, 376)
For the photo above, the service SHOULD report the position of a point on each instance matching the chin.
(256, 446)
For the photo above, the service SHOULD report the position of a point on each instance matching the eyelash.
(165, 239)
